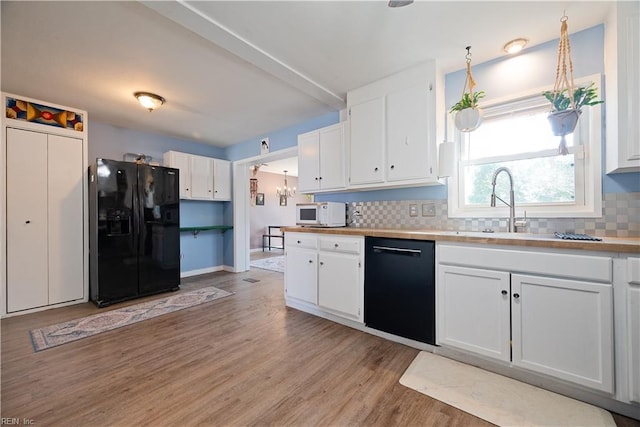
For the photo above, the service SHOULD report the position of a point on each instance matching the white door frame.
(241, 204)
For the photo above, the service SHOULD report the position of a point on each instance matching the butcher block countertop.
(608, 244)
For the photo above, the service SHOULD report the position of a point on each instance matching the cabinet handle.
(316, 178)
(299, 242)
(516, 296)
(335, 246)
(27, 222)
(504, 292)
(209, 191)
(375, 169)
(320, 177)
(187, 189)
(321, 263)
(392, 166)
(310, 261)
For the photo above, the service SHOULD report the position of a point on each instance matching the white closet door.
(65, 236)
(27, 266)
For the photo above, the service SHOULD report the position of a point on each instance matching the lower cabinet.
(327, 272)
(301, 277)
(561, 327)
(341, 277)
(474, 310)
(633, 327)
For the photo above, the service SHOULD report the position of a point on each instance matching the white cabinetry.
(301, 268)
(561, 326)
(366, 155)
(201, 178)
(474, 310)
(327, 272)
(394, 129)
(221, 179)
(633, 327)
(321, 162)
(622, 68)
(341, 276)
(181, 161)
(410, 152)
(45, 219)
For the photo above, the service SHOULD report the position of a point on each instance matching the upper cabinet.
(395, 125)
(366, 160)
(321, 164)
(622, 68)
(201, 178)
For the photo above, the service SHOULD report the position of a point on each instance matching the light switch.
(413, 210)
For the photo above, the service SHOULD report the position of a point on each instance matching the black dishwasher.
(399, 287)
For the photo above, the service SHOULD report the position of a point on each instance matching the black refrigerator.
(134, 230)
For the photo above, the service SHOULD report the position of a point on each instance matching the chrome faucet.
(511, 204)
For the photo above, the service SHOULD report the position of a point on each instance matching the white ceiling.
(235, 70)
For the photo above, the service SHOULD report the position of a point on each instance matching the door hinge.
(349, 112)
(430, 170)
(430, 87)
(359, 264)
(358, 312)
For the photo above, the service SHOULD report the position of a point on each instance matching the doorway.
(242, 171)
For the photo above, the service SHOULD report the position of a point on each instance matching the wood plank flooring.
(241, 360)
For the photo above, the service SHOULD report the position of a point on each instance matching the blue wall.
(205, 251)
(280, 139)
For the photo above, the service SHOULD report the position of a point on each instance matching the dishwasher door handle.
(397, 250)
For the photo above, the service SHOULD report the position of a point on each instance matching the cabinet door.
(201, 178)
(221, 179)
(309, 162)
(27, 265)
(366, 160)
(407, 135)
(633, 337)
(564, 328)
(301, 274)
(181, 161)
(65, 219)
(332, 173)
(473, 310)
(340, 284)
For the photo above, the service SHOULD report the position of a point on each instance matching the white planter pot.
(564, 122)
(468, 120)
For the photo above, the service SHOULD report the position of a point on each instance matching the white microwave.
(323, 214)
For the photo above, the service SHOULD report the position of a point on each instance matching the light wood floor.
(241, 360)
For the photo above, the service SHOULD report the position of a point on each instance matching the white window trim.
(592, 207)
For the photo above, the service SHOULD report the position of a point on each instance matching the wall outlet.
(358, 210)
(413, 210)
(429, 209)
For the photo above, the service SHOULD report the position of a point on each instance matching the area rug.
(275, 263)
(62, 333)
(500, 400)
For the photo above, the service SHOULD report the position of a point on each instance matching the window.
(516, 134)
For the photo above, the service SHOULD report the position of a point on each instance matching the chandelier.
(287, 191)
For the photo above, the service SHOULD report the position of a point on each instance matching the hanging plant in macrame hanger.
(566, 99)
(468, 115)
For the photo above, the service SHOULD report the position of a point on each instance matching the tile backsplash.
(620, 218)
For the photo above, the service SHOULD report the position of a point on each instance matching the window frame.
(588, 179)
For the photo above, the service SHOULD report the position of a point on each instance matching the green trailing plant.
(583, 95)
(468, 101)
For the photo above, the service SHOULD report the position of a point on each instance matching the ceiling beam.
(205, 26)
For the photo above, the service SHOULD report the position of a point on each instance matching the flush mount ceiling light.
(399, 3)
(515, 45)
(149, 100)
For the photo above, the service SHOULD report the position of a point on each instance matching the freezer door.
(159, 216)
(113, 191)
